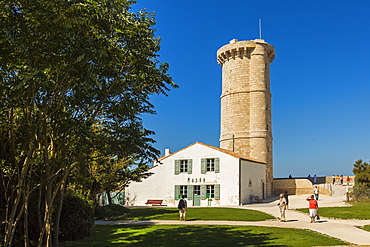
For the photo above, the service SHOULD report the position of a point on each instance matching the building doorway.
(196, 196)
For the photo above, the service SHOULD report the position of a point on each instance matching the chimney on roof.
(167, 152)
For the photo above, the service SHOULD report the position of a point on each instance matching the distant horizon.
(319, 78)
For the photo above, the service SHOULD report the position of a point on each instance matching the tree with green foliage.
(67, 66)
(362, 171)
(362, 186)
(108, 174)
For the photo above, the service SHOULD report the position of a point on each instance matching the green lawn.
(203, 235)
(358, 210)
(184, 235)
(366, 228)
(214, 213)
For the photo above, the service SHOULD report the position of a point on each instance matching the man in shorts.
(182, 208)
(313, 208)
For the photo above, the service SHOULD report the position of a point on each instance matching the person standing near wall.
(313, 208)
(286, 199)
(282, 207)
(316, 192)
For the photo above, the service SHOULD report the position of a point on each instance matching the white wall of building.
(161, 185)
(253, 181)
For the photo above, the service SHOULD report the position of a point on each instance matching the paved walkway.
(345, 230)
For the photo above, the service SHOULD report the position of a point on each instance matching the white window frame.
(211, 191)
(210, 163)
(183, 190)
(184, 166)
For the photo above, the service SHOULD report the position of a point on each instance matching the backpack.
(181, 204)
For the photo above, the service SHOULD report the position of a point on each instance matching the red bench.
(257, 199)
(154, 202)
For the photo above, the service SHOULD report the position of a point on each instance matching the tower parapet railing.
(242, 49)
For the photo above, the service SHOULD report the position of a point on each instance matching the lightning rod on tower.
(260, 28)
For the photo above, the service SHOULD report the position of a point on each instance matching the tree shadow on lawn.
(145, 213)
(189, 236)
(234, 214)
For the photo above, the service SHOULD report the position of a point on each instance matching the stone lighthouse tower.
(246, 101)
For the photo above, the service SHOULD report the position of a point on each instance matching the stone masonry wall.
(246, 101)
(301, 186)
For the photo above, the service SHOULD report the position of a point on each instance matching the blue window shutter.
(203, 192)
(217, 165)
(203, 166)
(177, 167)
(217, 191)
(177, 190)
(190, 192)
(190, 166)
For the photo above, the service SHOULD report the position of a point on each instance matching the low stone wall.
(329, 180)
(297, 186)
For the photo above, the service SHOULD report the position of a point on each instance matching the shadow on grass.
(215, 213)
(145, 213)
(202, 235)
(189, 236)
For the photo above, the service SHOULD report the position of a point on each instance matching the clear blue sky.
(320, 79)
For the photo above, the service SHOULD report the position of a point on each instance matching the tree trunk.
(25, 221)
(57, 219)
(109, 198)
(59, 209)
(45, 233)
(17, 209)
(12, 223)
(39, 217)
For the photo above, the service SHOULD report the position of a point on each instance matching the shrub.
(361, 192)
(110, 211)
(77, 218)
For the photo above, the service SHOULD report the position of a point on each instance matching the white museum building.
(206, 175)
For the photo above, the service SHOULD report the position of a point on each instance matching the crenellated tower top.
(240, 49)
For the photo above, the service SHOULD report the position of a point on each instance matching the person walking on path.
(316, 192)
(182, 208)
(313, 208)
(286, 199)
(282, 207)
